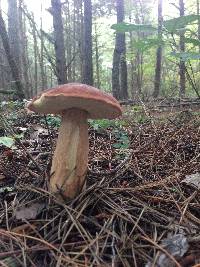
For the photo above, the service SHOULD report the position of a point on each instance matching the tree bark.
(13, 66)
(158, 71)
(68, 31)
(24, 51)
(123, 65)
(182, 69)
(139, 59)
(119, 70)
(115, 73)
(198, 33)
(13, 33)
(3, 64)
(74, 43)
(198, 13)
(88, 64)
(59, 42)
(97, 59)
(41, 59)
(124, 82)
(35, 52)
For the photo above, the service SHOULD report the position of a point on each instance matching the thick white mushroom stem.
(69, 165)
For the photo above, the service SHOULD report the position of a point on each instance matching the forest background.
(153, 51)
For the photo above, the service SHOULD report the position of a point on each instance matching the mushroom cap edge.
(56, 100)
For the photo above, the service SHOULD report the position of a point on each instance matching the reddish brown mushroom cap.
(98, 104)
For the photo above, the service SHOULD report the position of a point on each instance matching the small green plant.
(52, 121)
(123, 141)
(9, 141)
(105, 124)
(116, 126)
(142, 118)
(137, 108)
(12, 105)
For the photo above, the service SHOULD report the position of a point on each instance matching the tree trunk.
(198, 13)
(139, 19)
(13, 33)
(77, 41)
(115, 72)
(182, 69)
(74, 42)
(13, 66)
(59, 42)
(123, 65)
(88, 65)
(124, 82)
(98, 81)
(81, 43)
(35, 52)
(139, 65)
(119, 70)
(158, 70)
(68, 31)
(3, 63)
(24, 50)
(41, 59)
(133, 68)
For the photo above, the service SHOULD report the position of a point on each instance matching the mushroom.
(75, 103)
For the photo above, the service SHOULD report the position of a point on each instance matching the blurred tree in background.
(133, 49)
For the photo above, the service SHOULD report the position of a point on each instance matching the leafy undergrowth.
(136, 210)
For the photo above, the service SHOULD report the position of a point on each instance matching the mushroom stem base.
(69, 165)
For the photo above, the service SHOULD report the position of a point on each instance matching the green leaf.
(121, 145)
(175, 24)
(123, 141)
(148, 43)
(195, 42)
(19, 136)
(128, 27)
(117, 145)
(184, 56)
(7, 141)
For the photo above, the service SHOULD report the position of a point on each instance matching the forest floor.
(141, 206)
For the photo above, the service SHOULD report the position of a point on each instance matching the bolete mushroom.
(75, 103)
